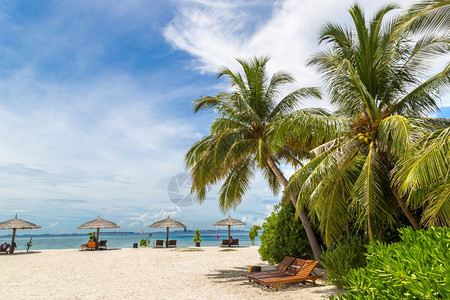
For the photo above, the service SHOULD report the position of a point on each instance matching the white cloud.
(217, 32)
(146, 219)
(250, 221)
(94, 150)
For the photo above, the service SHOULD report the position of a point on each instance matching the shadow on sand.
(22, 253)
(234, 275)
(100, 250)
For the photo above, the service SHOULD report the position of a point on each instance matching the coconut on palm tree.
(240, 139)
(375, 76)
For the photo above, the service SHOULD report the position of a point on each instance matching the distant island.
(206, 231)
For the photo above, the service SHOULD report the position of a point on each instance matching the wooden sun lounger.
(291, 270)
(225, 243)
(304, 273)
(102, 244)
(282, 267)
(159, 243)
(234, 243)
(172, 243)
(4, 249)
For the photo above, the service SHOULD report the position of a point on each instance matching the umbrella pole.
(11, 248)
(96, 242)
(229, 235)
(167, 238)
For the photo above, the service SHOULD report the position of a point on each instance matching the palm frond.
(427, 164)
(422, 100)
(236, 185)
(302, 126)
(437, 211)
(292, 100)
(272, 180)
(396, 133)
(370, 195)
(221, 124)
(427, 16)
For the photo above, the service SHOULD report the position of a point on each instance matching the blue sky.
(95, 113)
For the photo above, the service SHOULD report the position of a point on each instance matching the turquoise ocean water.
(124, 240)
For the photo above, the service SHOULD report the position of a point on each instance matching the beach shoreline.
(180, 273)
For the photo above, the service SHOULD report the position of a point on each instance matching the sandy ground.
(144, 273)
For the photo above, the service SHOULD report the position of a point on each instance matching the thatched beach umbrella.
(229, 222)
(15, 224)
(168, 223)
(98, 223)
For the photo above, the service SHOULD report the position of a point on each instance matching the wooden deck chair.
(234, 243)
(159, 243)
(102, 244)
(282, 267)
(172, 243)
(225, 243)
(304, 273)
(289, 271)
(4, 248)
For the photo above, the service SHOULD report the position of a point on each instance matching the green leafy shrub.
(92, 236)
(144, 243)
(418, 267)
(253, 233)
(282, 235)
(196, 237)
(345, 255)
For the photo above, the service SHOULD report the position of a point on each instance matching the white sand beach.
(144, 273)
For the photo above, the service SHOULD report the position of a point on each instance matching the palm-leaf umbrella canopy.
(15, 224)
(168, 223)
(97, 224)
(229, 222)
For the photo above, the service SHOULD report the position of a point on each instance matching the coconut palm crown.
(375, 77)
(239, 142)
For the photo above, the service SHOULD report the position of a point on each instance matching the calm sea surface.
(124, 240)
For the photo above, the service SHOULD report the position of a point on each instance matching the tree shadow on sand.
(22, 253)
(234, 275)
(228, 275)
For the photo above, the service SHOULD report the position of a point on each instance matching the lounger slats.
(266, 275)
(307, 268)
(299, 270)
(287, 261)
(296, 266)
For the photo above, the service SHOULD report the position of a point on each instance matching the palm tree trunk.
(408, 213)
(317, 251)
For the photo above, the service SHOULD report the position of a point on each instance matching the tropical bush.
(144, 243)
(196, 237)
(92, 236)
(282, 235)
(418, 267)
(253, 233)
(345, 255)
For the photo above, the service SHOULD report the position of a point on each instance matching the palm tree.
(374, 74)
(240, 137)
